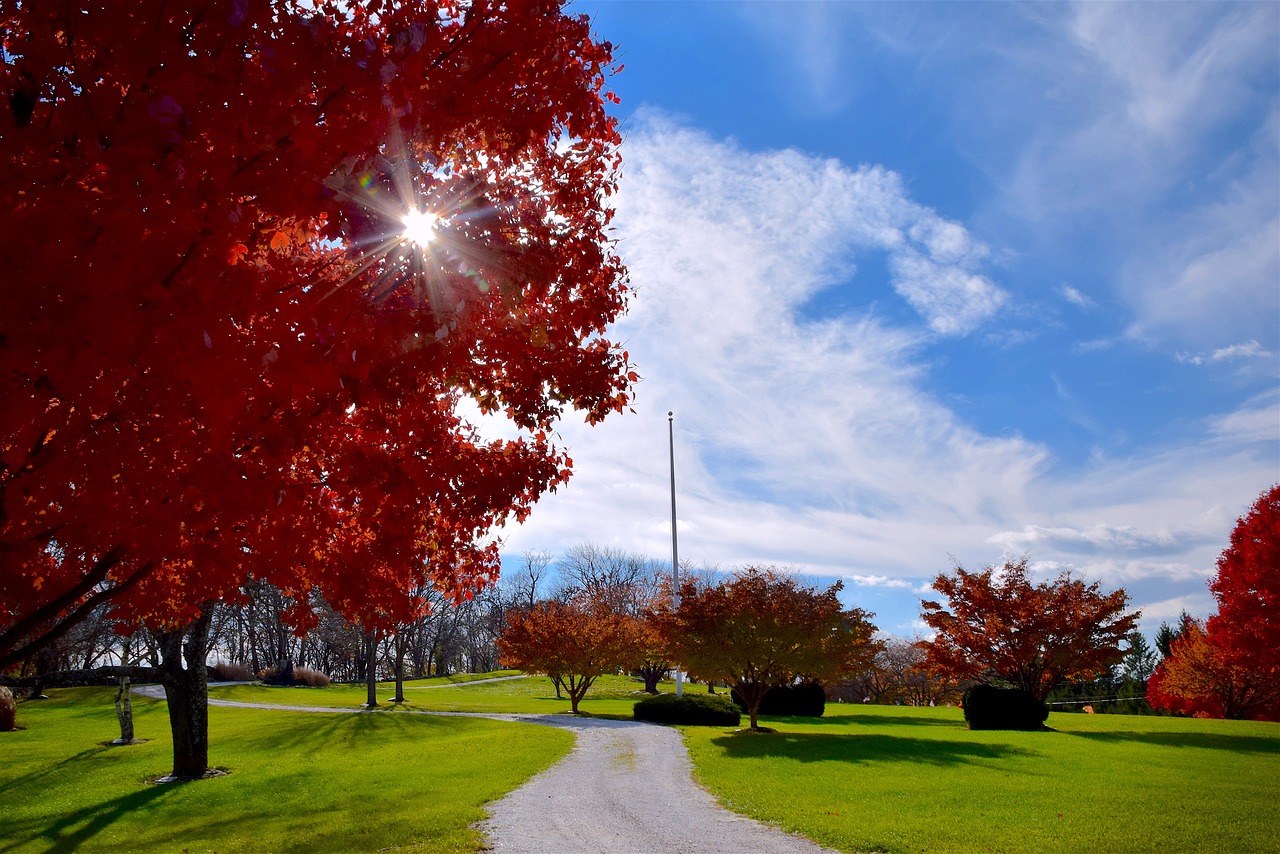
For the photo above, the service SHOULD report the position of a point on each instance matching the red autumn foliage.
(1199, 678)
(763, 629)
(1230, 667)
(576, 642)
(999, 625)
(218, 361)
(1247, 588)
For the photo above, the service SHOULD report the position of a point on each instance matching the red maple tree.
(221, 357)
(1230, 667)
(998, 624)
(574, 642)
(1247, 588)
(762, 629)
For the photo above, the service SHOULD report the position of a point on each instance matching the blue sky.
(932, 281)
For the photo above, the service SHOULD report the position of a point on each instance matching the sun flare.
(419, 227)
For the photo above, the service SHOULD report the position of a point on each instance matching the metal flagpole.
(675, 552)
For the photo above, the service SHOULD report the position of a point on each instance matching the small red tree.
(763, 629)
(999, 625)
(652, 654)
(576, 642)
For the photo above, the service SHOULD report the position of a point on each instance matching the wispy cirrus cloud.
(813, 439)
(1244, 350)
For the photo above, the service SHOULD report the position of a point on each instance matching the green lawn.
(611, 696)
(895, 779)
(298, 782)
(862, 779)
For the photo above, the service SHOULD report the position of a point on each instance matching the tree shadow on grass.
(874, 720)
(1209, 741)
(52, 770)
(862, 749)
(70, 831)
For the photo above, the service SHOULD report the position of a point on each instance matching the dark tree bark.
(187, 693)
(651, 676)
(400, 646)
(371, 669)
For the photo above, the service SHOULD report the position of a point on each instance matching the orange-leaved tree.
(257, 256)
(998, 625)
(575, 642)
(762, 629)
(1199, 679)
(1230, 667)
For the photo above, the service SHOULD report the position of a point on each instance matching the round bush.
(989, 707)
(695, 709)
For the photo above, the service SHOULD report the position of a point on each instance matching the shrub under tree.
(691, 709)
(998, 625)
(762, 629)
(808, 699)
(990, 707)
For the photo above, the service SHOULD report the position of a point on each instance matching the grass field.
(297, 782)
(900, 779)
(861, 779)
(611, 696)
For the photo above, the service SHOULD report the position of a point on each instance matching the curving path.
(626, 788)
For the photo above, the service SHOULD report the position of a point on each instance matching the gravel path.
(626, 788)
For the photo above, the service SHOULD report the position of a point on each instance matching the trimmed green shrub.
(989, 707)
(695, 709)
(8, 710)
(806, 700)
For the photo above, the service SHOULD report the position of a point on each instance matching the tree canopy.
(1230, 666)
(998, 624)
(762, 629)
(223, 357)
(1247, 588)
(575, 642)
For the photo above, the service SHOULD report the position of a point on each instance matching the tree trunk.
(752, 693)
(400, 651)
(577, 690)
(371, 671)
(124, 711)
(186, 690)
(651, 676)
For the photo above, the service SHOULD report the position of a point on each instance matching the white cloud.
(1069, 540)
(880, 581)
(1257, 421)
(816, 442)
(1245, 350)
(1178, 65)
(1168, 610)
(1075, 297)
(953, 300)
(796, 438)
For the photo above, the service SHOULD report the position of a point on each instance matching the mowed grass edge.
(297, 781)
(901, 779)
(610, 696)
